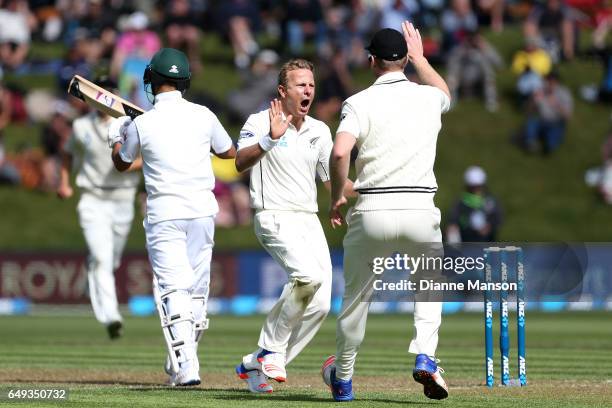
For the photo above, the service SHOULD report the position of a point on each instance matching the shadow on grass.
(233, 394)
(311, 398)
(91, 382)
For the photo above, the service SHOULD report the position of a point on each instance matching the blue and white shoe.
(255, 379)
(341, 390)
(427, 372)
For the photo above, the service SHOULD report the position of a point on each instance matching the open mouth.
(305, 103)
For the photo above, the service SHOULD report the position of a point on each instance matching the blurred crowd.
(119, 37)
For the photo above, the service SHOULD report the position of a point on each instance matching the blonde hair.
(292, 65)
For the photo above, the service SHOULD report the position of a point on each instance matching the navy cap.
(388, 44)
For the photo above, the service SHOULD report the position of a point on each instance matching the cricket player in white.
(287, 149)
(395, 125)
(106, 208)
(175, 139)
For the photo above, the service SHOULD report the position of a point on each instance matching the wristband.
(267, 143)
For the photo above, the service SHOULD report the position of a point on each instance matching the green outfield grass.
(569, 356)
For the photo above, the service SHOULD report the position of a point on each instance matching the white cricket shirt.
(96, 173)
(285, 177)
(396, 123)
(175, 139)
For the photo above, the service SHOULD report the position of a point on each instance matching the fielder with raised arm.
(175, 139)
(106, 208)
(287, 149)
(395, 125)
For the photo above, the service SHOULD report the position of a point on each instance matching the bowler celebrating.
(286, 149)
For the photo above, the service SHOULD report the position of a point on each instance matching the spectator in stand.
(365, 17)
(48, 18)
(99, 20)
(5, 108)
(548, 112)
(429, 14)
(75, 62)
(180, 23)
(238, 19)
(476, 216)
(135, 48)
(603, 91)
(456, 23)
(72, 13)
(395, 12)
(8, 173)
(340, 28)
(304, 19)
(258, 87)
(54, 136)
(491, 13)
(16, 23)
(471, 66)
(531, 65)
(551, 22)
(335, 85)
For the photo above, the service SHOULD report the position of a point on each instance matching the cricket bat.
(101, 99)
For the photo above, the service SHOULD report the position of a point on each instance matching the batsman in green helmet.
(167, 67)
(175, 139)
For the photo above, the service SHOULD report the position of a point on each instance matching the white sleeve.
(131, 147)
(219, 139)
(349, 122)
(250, 133)
(444, 100)
(325, 150)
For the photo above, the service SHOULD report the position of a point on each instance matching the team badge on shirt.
(245, 134)
(313, 142)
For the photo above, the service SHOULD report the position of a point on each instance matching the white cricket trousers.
(367, 231)
(106, 225)
(180, 252)
(296, 241)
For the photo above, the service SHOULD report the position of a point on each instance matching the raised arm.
(248, 156)
(425, 72)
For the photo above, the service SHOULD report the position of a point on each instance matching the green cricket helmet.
(168, 65)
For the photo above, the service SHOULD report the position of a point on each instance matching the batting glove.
(117, 131)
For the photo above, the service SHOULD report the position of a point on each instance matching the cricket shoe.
(341, 390)
(188, 374)
(273, 365)
(251, 361)
(256, 381)
(427, 372)
(114, 330)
